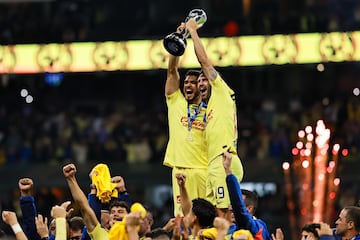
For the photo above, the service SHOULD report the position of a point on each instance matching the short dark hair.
(76, 223)
(204, 211)
(251, 198)
(353, 214)
(117, 203)
(192, 72)
(156, 233)
(311, 228)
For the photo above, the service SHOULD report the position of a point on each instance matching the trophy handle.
(175, 43)
(185, 33)
(199, 15)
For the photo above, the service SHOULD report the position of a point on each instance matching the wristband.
(16, 228)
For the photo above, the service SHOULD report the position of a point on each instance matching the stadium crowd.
(82, 20)
(107, 130)
(86, 129)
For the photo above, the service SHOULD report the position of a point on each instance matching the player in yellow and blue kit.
(221, 124)
(186, 149)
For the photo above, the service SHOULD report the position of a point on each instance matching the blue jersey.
(29, 212)
(244, 220)
(336, 236)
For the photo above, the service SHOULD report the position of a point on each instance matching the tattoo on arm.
(213, 74)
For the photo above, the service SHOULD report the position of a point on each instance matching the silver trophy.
(175, 43)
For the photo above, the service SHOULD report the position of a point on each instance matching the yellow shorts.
(195, 185)
(216, 189)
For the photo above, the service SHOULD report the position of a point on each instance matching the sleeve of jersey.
(327, 237)
(125, 196)
(221, 84)
(173, 97)
(224, 91)
(95, 204)
(29, 212)
(51, 237)
(60, 229)
(244, 220)
(85, 235)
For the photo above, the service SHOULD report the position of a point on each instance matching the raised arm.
(222, 226)
(186, 203)
(42, 226)
(10, 218)
(173, 77)
(132, 225)
(80, 198)
(243, 217)
(123, 195)
(200, 52)
(28, 208)
(59, 214)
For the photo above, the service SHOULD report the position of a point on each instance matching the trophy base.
(175, 44)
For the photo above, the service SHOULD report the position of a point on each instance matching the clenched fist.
(25, 186)
(69, 170)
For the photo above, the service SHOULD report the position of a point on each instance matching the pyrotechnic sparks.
(310, 180)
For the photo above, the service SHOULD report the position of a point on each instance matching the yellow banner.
(147, 54)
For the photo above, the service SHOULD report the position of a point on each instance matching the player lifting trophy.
(175, 43)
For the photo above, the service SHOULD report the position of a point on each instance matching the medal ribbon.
(192, 118)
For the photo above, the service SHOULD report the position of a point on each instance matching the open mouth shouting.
(203, 92)
(189, 93)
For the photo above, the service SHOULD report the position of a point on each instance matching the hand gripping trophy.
(175, 43)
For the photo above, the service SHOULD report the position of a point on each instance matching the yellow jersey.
(221, 120)
(186, 147)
